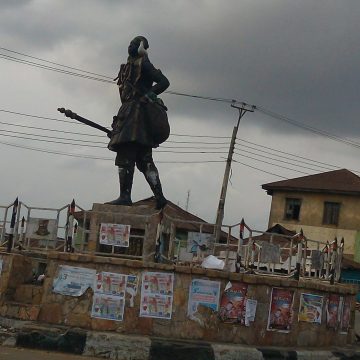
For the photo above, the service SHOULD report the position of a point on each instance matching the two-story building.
(325, 206)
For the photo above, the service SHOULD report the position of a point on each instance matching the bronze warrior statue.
(140, 123)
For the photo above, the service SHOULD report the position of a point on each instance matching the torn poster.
(204, 292)
(232, 304)
(73, 281)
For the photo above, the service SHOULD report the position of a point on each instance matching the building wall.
(311, 216)
(75, 311)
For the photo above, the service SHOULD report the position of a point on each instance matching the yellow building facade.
(324, 206)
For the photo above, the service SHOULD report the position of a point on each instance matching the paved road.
(7, 353)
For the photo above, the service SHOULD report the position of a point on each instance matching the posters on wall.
(110, 284)
(114, 234)
(310, 309)
(280, 310)
(108, 307)
(73, 281)
(109, 296)
(156, 295)
(345, 314)
(232, 304)
(203, 292)
(41, 229)
(199, 241)
(250, 311)
(332, 311)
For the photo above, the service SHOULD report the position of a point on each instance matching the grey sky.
(297, 58)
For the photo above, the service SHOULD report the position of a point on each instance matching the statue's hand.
(151, 96)
(109, 134)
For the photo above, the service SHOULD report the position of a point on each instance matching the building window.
(292, 209)
(331, 213)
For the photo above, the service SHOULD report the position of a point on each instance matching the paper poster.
(332, 311)
(250, 311)
(232, 304)
(109, 296)
(204, 292)
(270, 253)
(115, 234)
(345, 315)
(132, 287)
(157, 295)
(41, 229)
(199, 241)
(310, 309)
(73, 281)
(108, 307)
(110, 284)
(280, 310)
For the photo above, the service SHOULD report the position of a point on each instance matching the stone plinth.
(138, 217)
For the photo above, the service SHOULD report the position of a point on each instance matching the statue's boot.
(152, 177)
(126, 175)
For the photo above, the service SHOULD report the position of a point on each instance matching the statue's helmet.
(138, 46)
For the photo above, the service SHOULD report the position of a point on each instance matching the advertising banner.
(157, 295)
(310, 309)
(114, 234)
(204, 292)
(73, 281)
(232, 304)
(332, 311)
(280, 310)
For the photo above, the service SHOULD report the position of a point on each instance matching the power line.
(225, 100)
(93, 157)
(255, 168)
(54, 63)
(284, 152)
(308, 127)
(270, 163)
(279, 160)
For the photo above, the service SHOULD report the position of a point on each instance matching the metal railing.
(259, 252)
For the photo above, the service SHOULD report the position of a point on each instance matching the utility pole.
(187, 200)
(243, 109)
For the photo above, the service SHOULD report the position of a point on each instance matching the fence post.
(12, 226)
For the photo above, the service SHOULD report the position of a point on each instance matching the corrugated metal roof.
(338, 182)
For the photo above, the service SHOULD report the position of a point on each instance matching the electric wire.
(277, 165)
(271, 158)
(264, 171)
(225, 100)
(54, 63)
(94, 157)
(284, 152)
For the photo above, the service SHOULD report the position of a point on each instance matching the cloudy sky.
(297, 59)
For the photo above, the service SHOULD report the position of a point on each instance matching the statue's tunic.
(131, 125)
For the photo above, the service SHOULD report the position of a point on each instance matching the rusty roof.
(340, 181)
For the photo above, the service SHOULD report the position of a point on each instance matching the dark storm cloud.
(300, 59)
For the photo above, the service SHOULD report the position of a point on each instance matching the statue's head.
(138, 46)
